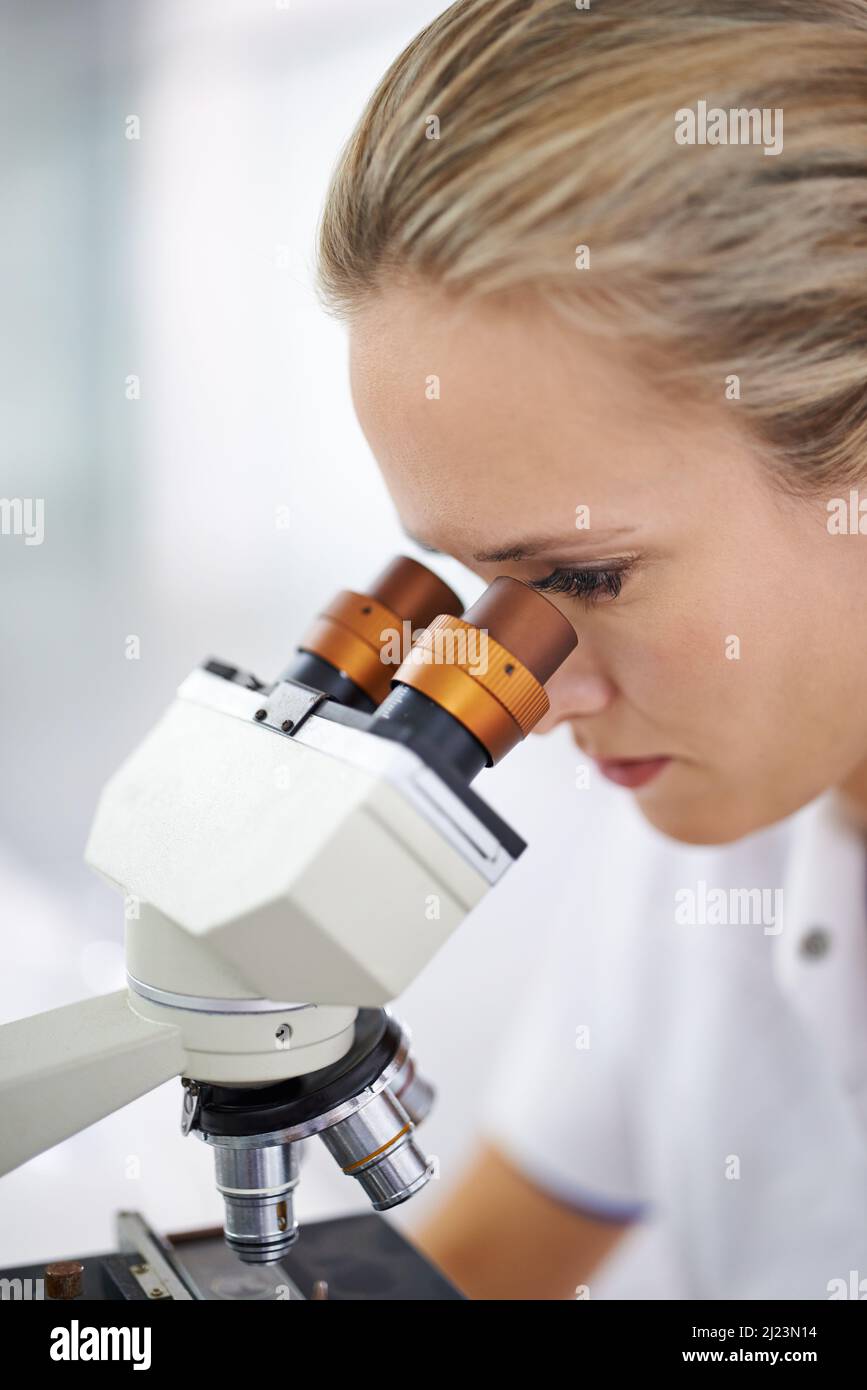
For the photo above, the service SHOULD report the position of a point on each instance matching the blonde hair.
(557, 129)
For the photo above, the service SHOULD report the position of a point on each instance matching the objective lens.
(376, 1146)
(363, 1107)
(413, 1091)
(257, 1185)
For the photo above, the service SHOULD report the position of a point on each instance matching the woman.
(605, 273)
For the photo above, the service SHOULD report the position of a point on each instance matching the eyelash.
(589, 585)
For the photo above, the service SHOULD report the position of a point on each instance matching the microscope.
(291, 855)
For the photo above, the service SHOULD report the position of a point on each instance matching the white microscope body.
(286, 871)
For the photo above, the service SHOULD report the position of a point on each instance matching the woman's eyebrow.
(526, 548)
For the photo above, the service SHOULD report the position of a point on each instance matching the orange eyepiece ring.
(482, 684)
(488, 668)
(349, 634)
(353, 630)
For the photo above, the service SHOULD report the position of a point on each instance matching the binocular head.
(469, 683)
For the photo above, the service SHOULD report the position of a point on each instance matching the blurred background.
(173, 392)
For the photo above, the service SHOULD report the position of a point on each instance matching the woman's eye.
(590, 585)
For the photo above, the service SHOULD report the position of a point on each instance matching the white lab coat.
(696, 1060)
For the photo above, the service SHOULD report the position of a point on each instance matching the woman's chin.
(709, 819)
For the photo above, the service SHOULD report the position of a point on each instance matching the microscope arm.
(61, 1071)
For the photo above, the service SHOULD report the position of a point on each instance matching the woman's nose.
(575, 696)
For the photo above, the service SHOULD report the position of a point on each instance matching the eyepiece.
(524, 622)
(346, 652)
(485, 671)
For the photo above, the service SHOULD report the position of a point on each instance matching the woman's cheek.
(675, 665)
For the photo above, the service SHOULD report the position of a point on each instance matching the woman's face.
(721, 663)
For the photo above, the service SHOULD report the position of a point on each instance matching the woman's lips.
(631, 772)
